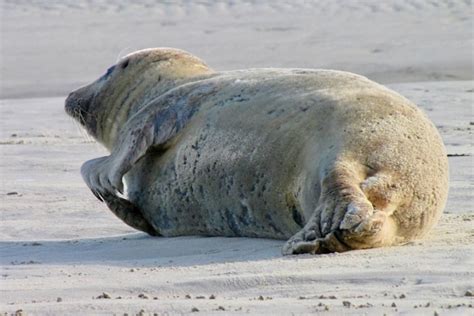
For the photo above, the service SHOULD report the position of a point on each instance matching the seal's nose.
(68, 104)
(77, 105)
(73, 103)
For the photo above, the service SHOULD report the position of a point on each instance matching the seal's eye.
(125, 64)
(109, 71)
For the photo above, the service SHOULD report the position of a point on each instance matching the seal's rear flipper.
(354, 212)
(129, 213)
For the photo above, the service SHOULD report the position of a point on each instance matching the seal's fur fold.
(328, 158)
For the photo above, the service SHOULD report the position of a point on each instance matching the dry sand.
(60, 249)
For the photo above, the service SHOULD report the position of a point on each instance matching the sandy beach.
(63, 253)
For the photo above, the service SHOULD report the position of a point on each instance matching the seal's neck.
(161, 88)
(140, 93)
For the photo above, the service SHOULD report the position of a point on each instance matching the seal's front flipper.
(152, 127)
(129, 214)
(101, 177)
(136, 139)
(104, 175)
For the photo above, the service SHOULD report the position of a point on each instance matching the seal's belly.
(219, 188)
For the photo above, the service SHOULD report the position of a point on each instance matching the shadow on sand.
(139, 249)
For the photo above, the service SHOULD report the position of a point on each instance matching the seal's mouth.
(77, 107)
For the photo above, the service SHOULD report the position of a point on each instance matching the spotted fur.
(329, 160)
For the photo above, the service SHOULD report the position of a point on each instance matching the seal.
(327, 160)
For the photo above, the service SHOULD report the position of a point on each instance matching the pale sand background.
(57, 240)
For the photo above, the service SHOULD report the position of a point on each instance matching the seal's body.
(328, 157)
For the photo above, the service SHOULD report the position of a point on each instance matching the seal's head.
(104, 105)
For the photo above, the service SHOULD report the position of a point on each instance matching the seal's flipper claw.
(307, 240)
(97, 195)
(300, 247)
